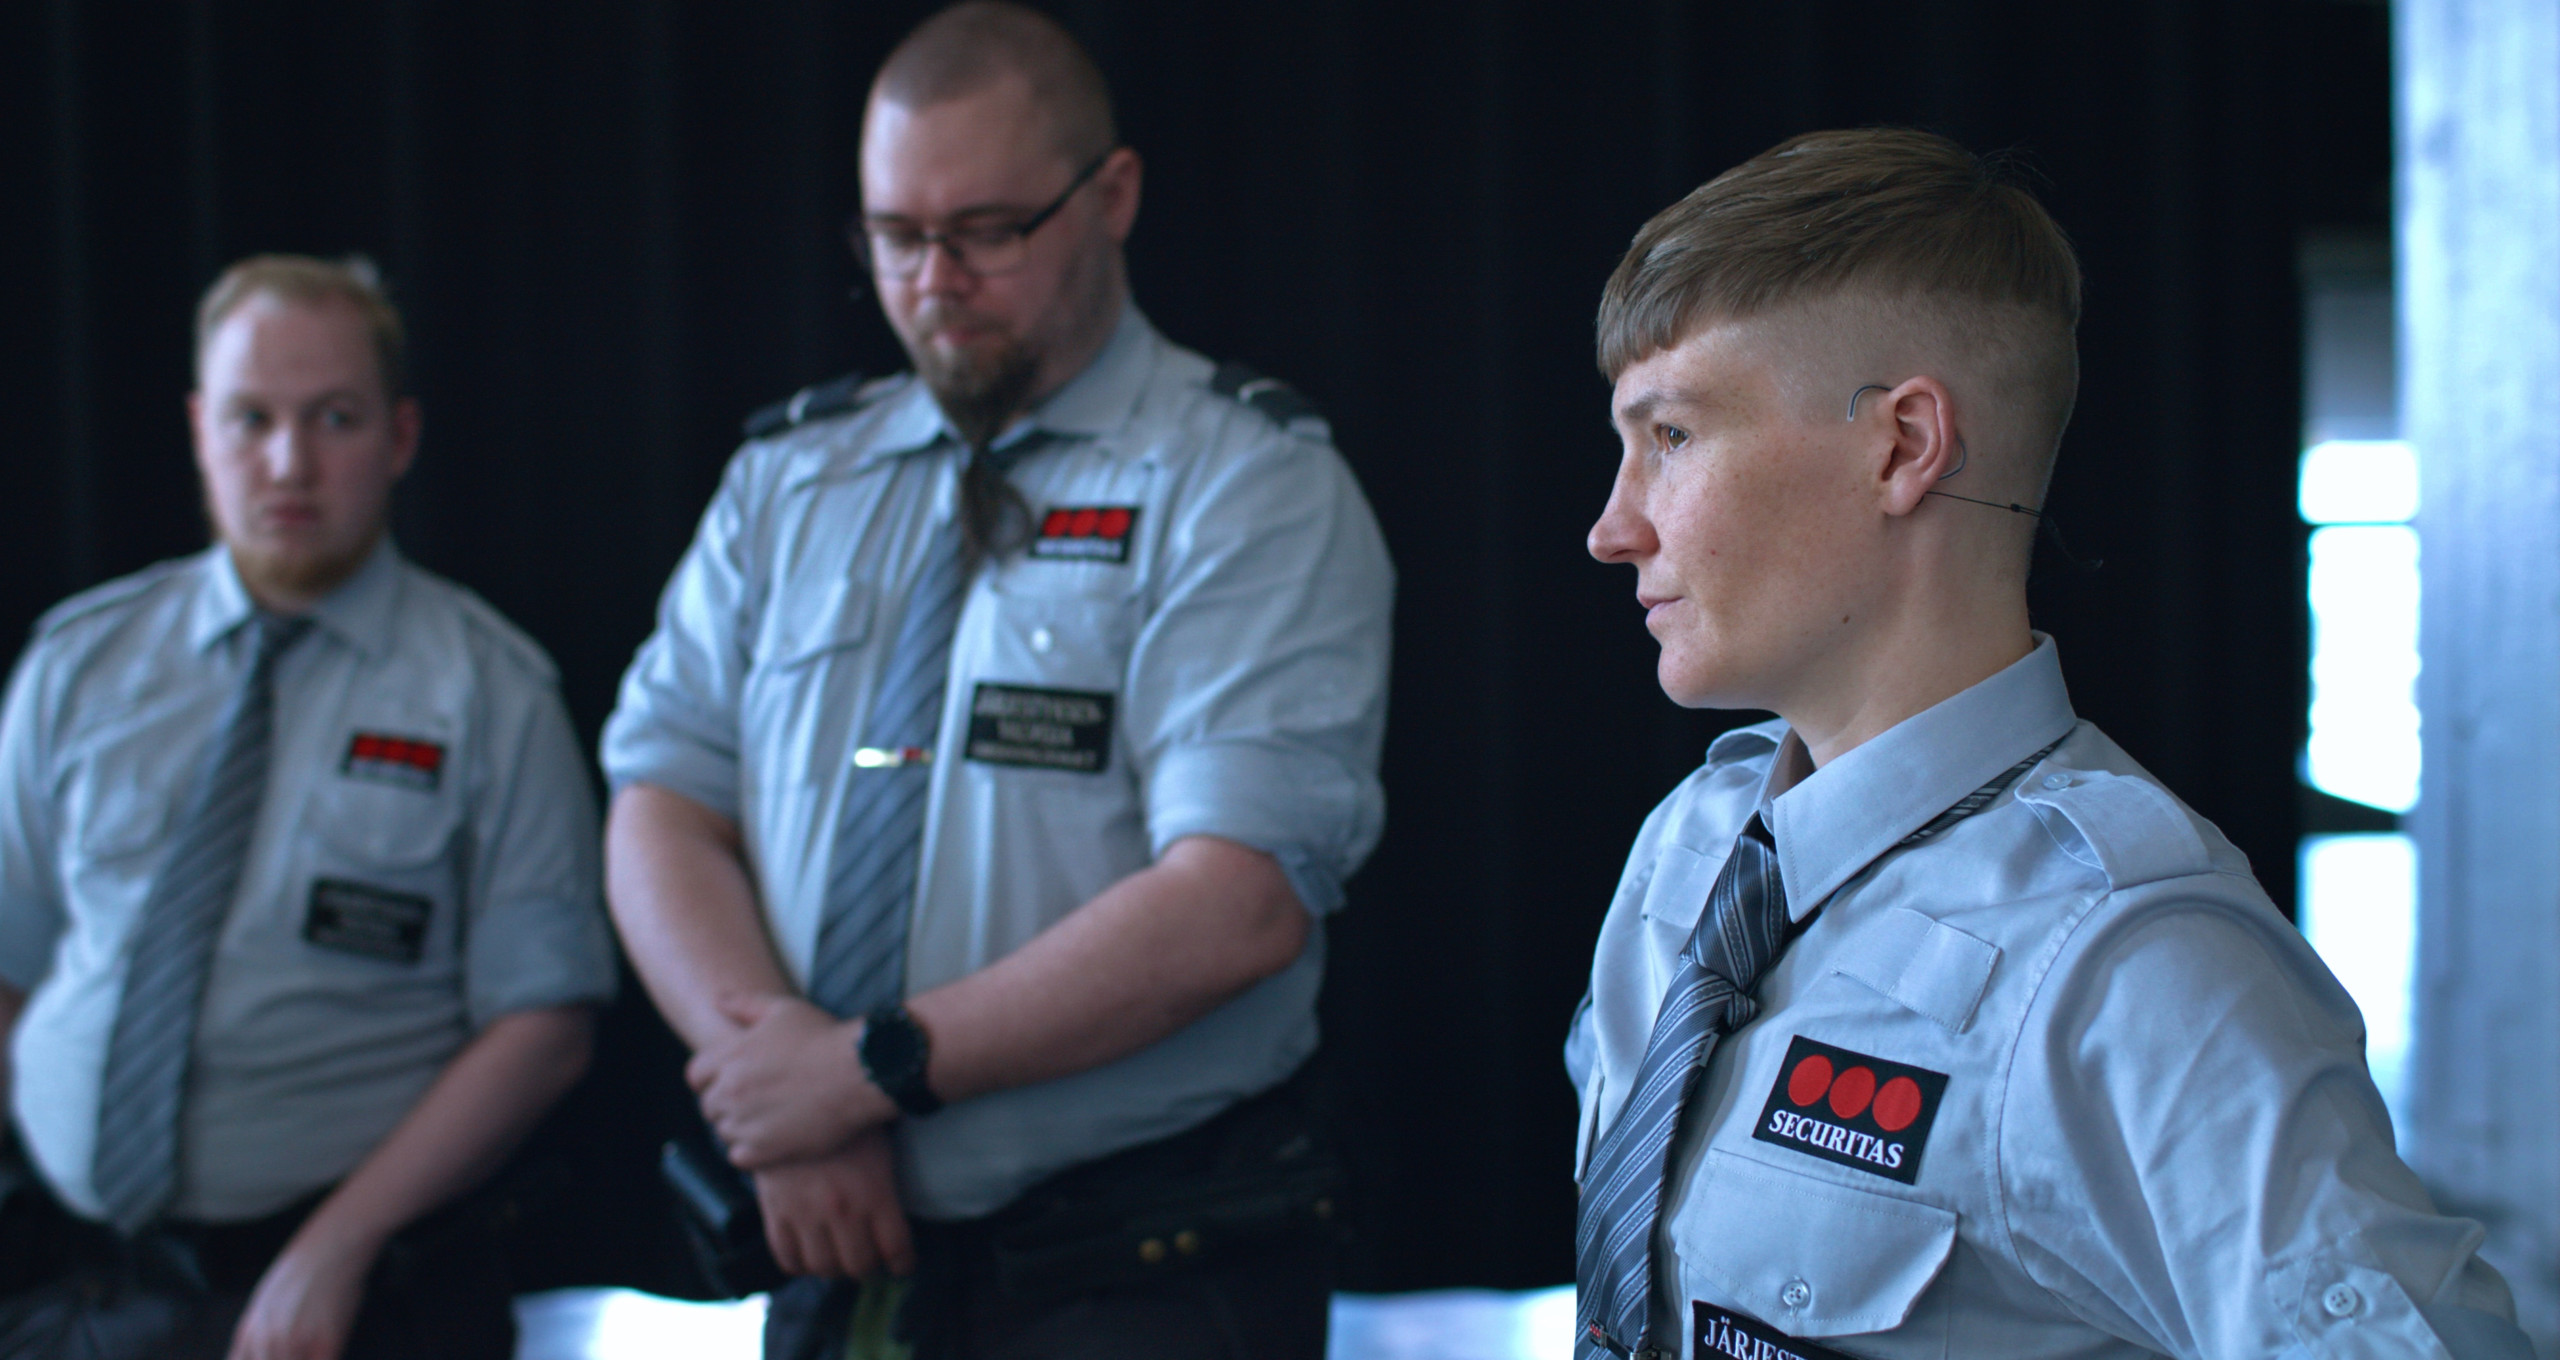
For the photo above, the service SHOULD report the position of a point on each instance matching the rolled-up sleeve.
(675, 720)
(1258, 685)
(2201, 1162)
(31, 919)
(537, 935)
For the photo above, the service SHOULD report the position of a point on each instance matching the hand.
(305, 1305)
(837, 1216)
(787, 1085)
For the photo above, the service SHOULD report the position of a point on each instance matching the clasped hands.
(787, 1084)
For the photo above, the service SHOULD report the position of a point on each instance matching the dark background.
(616, 227)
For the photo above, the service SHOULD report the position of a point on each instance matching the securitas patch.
(1723, 1332)
(1086, 533)
(410, 762)
(1049, 729)
(1852, 1109)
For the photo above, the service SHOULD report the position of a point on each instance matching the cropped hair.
(1899, 215)
(307, 279)
(969, 46)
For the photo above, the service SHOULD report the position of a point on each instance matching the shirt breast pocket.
(1807, 1256)
(386, 868)
(809, 625)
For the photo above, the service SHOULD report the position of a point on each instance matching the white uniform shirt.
(423, 863)
(1200, 632)
(2111, 1103)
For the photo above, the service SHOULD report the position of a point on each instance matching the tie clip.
(889, 757)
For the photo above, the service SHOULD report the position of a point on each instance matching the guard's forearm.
(686, 910)
(483, 1103)
(1153, 953)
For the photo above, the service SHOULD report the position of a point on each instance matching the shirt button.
(2057, 781)
(1040, 640)
(1796, 1295)
(2341, 1300)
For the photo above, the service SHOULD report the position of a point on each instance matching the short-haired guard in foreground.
(1925, 1022)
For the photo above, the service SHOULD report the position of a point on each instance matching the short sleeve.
(535, 925)
(2196, 1158)
(675, 720)
(1257, 687)
(31, 918)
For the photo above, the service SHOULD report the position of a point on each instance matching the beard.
(981, 390)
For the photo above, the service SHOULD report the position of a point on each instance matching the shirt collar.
(1094, 402)
(1845, 815)
(358, 612)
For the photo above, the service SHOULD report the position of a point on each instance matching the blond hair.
(308, 279)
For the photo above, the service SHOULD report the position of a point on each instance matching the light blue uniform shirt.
(1217, 666)
(321, 1023)
(2154, 1133)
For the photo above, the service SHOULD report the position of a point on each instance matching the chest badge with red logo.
(1086, 533)
(410, 762)
(1849, 1108)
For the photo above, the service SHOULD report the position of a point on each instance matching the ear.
(1119, 179)
(407, 423)
(1918, 416)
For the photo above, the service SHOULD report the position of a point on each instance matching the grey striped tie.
(1739, 935)
(860, 963)
(135, 1168)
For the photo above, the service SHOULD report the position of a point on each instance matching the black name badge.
(1858, 1111)
(1724, 1332)
(1047, 729)
(354, 918)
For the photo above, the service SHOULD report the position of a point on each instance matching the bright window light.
(2364, 664)
(2360, 911)
(2359, 481)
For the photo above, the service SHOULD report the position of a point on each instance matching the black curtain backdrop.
(616, 228)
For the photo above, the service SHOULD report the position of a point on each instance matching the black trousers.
(1215, 1244)
(439, 1291)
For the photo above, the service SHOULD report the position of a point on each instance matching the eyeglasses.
(895, 250)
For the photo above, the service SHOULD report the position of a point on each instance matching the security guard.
(298, 880)
(1007, 731)
(1924, 1021)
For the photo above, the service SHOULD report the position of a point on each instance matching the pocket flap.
(1808, 1256)
(838, 616)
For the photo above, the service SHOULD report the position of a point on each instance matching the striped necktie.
(860, 962)
(1740, 934)
(135, 1167)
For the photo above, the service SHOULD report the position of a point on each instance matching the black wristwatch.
(894, 1053)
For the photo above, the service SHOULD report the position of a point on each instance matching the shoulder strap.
(815, 402)
(1277, 401)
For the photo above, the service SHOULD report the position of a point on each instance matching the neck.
(1076, 351)
(296, 588)
(1927, 649)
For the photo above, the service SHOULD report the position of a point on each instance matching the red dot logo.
(1851, 1091)
(1811, 1078)
(1084, 524)
(1115, 522)
(1897, 1104)
(1055, 526)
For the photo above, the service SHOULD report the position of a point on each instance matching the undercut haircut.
(972, 45)
(1907, 218)
(305, 279)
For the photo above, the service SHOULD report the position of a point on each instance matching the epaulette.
(2134, 829)
(106, 595)
(1276, 400)
(833, 397)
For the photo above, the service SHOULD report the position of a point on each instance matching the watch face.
(892, 1046)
